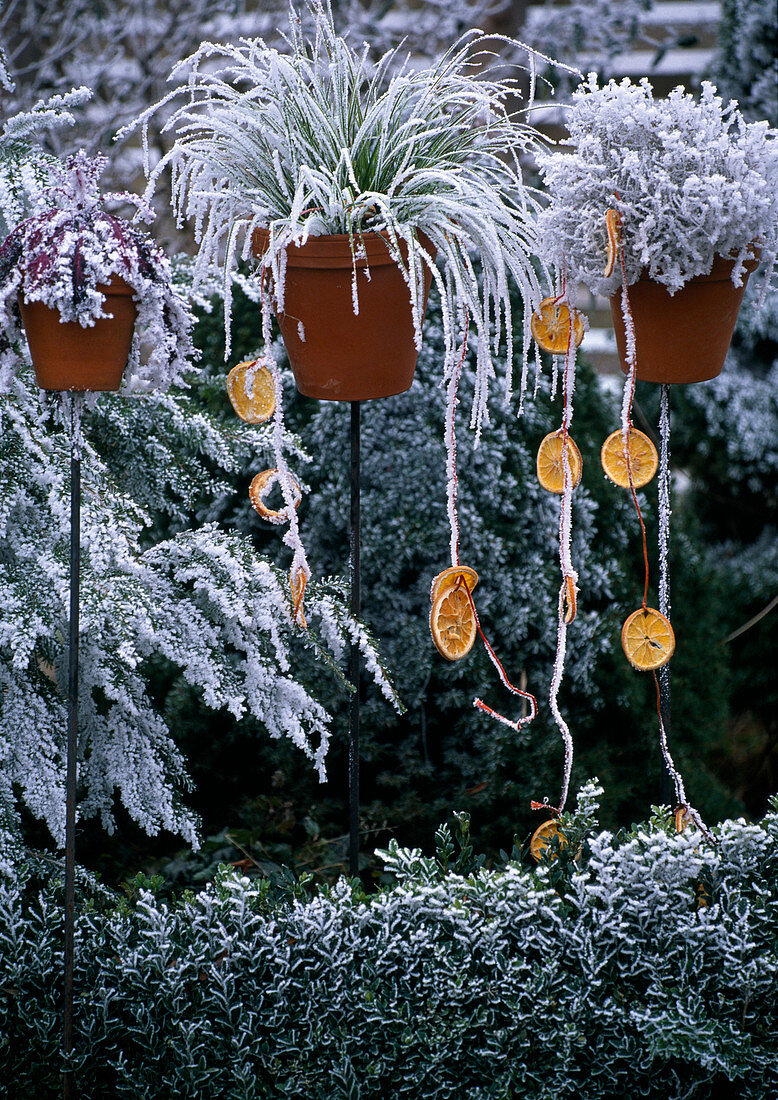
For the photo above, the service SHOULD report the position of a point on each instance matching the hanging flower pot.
(92, 291)
(68, 356)
(665, 195)
(335, 353)
(683, 337)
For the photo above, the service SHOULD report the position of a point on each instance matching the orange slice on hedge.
(639, 458)
(252, 393)
(449, 577)
(550, 324)
(452, 622)
(297, 583)
(613, 230)
(550, 464)
(259, 489)
(647, 639)
(682, 818)
(541, 839)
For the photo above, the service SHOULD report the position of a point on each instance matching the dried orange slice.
(541, 839)
(449, 577)
(569, 599)
(259, 489)
(452, 622)
(613, 230)
(682, 818)
(550, 324)
(252, 393)
(647, 639)
(640, 458)
(297, 583)
(550, 465)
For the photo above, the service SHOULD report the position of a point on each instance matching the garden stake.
(72, 737)
(353, 755)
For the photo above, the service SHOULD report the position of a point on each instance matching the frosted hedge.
(601, 978)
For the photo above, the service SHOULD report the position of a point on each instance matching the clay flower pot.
(335, 354)
(68, 356)
(683, 337)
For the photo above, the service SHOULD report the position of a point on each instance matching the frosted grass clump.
(322, 140)
(691, 178)
(66, 249)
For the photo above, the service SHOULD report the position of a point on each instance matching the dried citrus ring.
(541, 839)
(613, 230)
(569, 599)
(550, 465)
(297, 583)
(251, 390)
(261, 486)
(647, 639)
(640, 458)
(449, 577)
(452, 622)
(682, 818)
(550, 324)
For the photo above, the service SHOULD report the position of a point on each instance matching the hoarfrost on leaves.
(321, 139)
(691, 179)
(67, 250)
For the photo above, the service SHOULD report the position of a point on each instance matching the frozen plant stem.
(664, 570)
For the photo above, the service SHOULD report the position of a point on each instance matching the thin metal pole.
(72, 741)
(354, 663)
(668, 793)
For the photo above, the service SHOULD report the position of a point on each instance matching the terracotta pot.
(67, 356)
(683, 337)
(344, 357)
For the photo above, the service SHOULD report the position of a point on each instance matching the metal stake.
(72, 742)
(354, 663)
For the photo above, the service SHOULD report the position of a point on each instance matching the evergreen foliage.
(643, 968)
(200, 598)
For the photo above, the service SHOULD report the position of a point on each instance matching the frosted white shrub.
(63, 253)
(690, 177)
(319, 140)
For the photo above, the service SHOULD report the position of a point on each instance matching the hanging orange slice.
(647, 639)
(452, 622)
(541, 839)
(252, 393)
(550, 464)
(260, 488)
(613, 231)
(550, 324)
(640, 458)
(569, 599)
(297, 583)
(449, 577)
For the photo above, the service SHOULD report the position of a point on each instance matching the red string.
(501, 671)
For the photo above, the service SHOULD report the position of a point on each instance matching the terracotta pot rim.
(720, 271)
(336, 248)
(117, 286)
